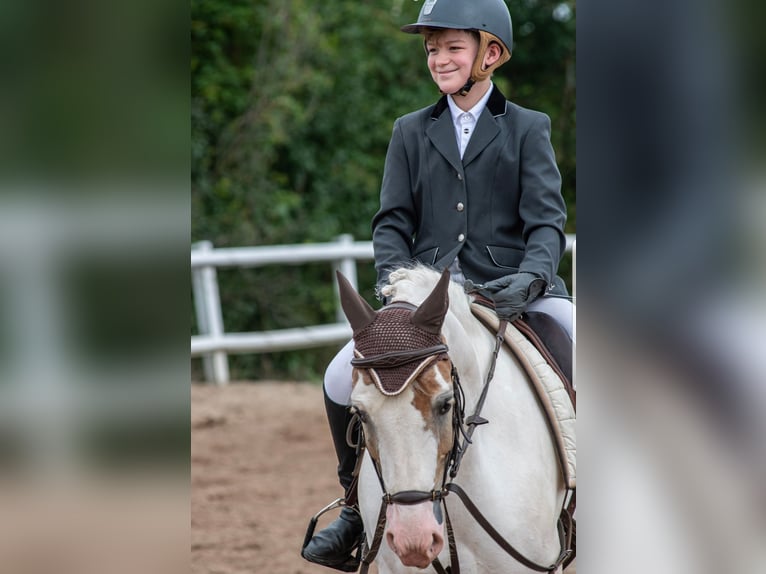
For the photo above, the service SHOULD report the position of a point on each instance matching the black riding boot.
(334, 546)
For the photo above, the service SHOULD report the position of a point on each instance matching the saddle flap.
(558, 405)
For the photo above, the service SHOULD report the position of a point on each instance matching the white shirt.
(465, 122)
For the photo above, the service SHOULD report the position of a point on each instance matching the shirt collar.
(474, 111)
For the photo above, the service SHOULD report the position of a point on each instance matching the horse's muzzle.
(413, 533)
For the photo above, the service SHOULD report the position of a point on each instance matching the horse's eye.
(445, 407)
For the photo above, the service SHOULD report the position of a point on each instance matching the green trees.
(292, 107)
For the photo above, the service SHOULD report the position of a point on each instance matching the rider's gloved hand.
(513, 293)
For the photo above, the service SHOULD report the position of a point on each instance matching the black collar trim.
(495, 104)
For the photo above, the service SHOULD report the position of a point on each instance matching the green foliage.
(541, 76)
(292, 107)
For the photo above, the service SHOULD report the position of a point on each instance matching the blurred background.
(671, 283)
(94, 240)
(115, 156)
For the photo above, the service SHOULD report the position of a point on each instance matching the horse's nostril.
(437, 543)
(390, 540)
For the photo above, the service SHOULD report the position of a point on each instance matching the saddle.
(553, 343)
(553, 387)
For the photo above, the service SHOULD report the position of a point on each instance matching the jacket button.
(460, 176)
(460, 206)
(461, 237)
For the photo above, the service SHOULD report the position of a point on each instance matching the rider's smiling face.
(451, 54)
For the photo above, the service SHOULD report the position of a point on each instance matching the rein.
(410, 497)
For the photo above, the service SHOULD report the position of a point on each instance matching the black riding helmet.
(490, 18)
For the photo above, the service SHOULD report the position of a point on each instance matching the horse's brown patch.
(426, 388)
(366, 377)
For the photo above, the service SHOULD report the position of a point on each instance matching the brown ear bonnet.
(398, 342)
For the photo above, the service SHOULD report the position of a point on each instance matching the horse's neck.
(528, 466)
(470, 347)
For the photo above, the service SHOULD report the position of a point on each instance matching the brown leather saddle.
(553, 343)
(549, 338)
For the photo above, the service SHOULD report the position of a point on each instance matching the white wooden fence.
(214, 344)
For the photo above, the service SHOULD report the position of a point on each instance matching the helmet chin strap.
(466, 88)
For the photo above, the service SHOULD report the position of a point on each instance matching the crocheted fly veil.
(398, 342)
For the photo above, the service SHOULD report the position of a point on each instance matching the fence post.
(207, 303)
(347, 266)
(203, 328)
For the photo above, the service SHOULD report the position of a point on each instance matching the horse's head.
(405, 398)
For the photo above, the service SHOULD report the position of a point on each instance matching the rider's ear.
(430, 315)
(357, 310)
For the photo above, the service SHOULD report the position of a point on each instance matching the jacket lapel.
(441, 132)
(486, 127)
(486, 130)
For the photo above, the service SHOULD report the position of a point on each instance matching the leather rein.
(463, 427)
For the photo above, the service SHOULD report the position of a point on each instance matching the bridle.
(462, 429)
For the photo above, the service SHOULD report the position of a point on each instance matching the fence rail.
(214, 344)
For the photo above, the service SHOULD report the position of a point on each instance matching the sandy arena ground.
(262, 464)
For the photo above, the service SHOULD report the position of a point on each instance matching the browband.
(397, 358)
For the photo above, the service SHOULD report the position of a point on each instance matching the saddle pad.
(550, 389)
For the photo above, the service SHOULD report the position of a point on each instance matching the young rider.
(470, 184)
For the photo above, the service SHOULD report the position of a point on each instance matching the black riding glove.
(513, 293)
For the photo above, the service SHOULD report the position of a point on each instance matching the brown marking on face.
(366, 377)
(427, 387)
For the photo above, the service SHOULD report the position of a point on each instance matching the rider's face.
(451, 54)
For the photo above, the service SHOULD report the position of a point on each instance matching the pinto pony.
(421, 363)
